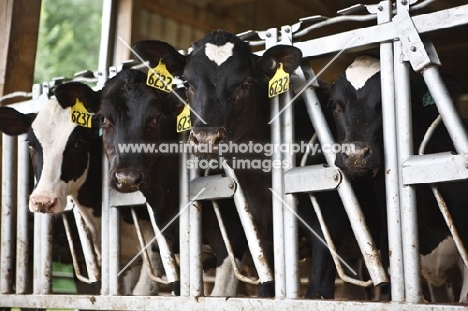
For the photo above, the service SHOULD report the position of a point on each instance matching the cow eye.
(103, 120)
(246, 85)
(79, 144)
(157, 119)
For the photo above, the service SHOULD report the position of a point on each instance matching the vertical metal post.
(22, 241)
(278, 219)
(196, 264)
(46, 253)
(271, 39)
(384, 15)
(291, 235)
(37, 267)
(107, 29)
(409, 225)
(184, 222)
(105, 228)
(114, 250)
(8, 175)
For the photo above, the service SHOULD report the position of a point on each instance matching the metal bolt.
(380, 8)
(404, 2)
(287, 30)
(413, 48)
(268, 35)
(231, 186)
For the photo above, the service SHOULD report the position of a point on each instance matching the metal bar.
(87, 245)
(114, 250)
(105, 227)
(167, 256)
(229, 249)
(22, 240)
(207, 303)
(291, 249)
(46, 253)
(311, 178)
(409, 225)
(37, 268)
(196, 264)
(141, 239)
(368, 37)
(7, 247)
(248, 224)
(107, 41)
(184, 223)
(350, 202)
(384, 15)
(278, 219)
(446, 108)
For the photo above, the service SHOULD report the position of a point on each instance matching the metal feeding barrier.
(398, 36)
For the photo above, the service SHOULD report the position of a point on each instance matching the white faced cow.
(67, 162)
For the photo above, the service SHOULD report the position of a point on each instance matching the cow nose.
(358, 155)
(128, 181)
(207, 135)
(43, 204)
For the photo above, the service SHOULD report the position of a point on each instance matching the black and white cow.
(356, 104)
(228, 89)
(67, 162)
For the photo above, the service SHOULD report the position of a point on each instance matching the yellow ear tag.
(80, 115)
(183, 120)
(279, 83)
(160, 78)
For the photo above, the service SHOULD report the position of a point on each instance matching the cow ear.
(67, 94)
(154, 51)
(15, 123)
(288, 55)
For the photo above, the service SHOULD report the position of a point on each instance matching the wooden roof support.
(19, 27)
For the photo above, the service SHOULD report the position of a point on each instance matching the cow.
(227, 88)
(355, 101)
(67, 162)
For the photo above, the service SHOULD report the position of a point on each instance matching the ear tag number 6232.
(279, 83)
(160, 78)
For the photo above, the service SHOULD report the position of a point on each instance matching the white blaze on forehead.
(53, 127)
(219, 54)
(361, 70)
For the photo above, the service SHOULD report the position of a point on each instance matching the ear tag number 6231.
(279, 83)
(160, 78)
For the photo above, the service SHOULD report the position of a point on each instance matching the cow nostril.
(192, 139)
(139, 179)
(367, 152)
(344, 155)
(218, 139)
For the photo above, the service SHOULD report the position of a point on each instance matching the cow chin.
(358, 172)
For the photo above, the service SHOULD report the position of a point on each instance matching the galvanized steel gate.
(400, 47)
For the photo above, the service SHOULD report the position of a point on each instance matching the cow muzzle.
(43, 204)
(361, 158)
(127, 180)
(206, 140)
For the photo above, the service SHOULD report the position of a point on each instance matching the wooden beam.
(19, 27)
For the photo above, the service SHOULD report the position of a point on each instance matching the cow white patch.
(225, 281)
(435, 264)
(52, 128)
(218, 54)
(361, 70)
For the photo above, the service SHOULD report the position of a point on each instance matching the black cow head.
(355, 99)
(133, 114)
(59, 149)
(227, 84)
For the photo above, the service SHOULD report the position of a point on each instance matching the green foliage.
(69, 38)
